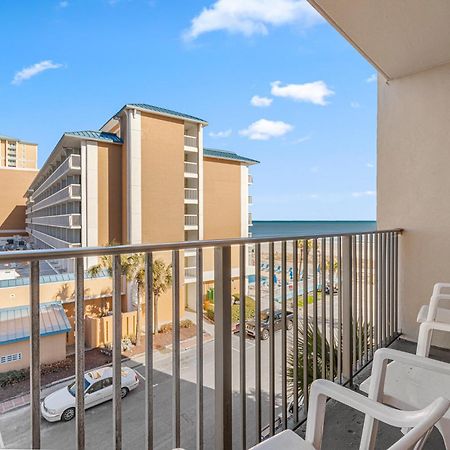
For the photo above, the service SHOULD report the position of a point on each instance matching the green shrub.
(210, 313)
(12, 377)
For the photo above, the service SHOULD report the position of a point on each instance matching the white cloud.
(249, 17)
(256, 100)
(220, 134)
(370, 165)
(264, 129)
(63, 4)
(364, 194)
(315, 92)
(372, 78)
(31, 71)
(355, 105)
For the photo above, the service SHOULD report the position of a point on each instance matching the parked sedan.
(265, 323)
(98, 388)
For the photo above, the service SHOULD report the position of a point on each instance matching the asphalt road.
(15, 426)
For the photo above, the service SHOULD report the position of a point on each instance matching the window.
(95, 387)
(107, 382)
(10, 358)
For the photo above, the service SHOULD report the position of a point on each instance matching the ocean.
(309, 227)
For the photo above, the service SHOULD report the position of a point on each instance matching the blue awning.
(15, 322)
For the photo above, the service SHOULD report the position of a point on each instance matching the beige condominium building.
(144, 177)
(18, 162)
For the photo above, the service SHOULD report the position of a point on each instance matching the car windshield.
(264, 316)
(72, 388)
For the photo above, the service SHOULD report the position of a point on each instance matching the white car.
(98, 388)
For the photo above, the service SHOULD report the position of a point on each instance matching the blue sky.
(69, 65)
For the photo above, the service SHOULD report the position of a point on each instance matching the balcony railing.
(190, 167)
(190, 194)
(342, 288)
(190, 141)
(72, 163)
(250, 200)
(250, 179)
(190, 220)
(64, 221)
(250, 219)
(70, 192)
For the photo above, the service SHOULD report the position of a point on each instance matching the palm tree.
(162, 279)
(133, 268)
(309, 244)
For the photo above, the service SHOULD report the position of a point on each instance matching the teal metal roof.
(25, 281)
(15, 322)
(224, 154)
(167, 112)
(97, 135)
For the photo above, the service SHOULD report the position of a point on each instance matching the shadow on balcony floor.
(343, 425)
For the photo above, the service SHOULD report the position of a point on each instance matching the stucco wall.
(13, 184)
(162, 179)
(53, 349)
(109, 194)
(414, 183)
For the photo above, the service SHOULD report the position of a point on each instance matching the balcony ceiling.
(399, 37)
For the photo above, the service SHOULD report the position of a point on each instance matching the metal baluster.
(305, 326)
(117, 351)
(339, 275)
(392, 275)
(79, 351)
(347, 303)
(295, 329)
(360, 300)
(222, 349)
(332, 336)
(35, 367)
(149, 349)
(315, 312)
(323, 306)
(176, 410)
(258, 340)
(242, 335)
(366, 298)
(271, 341)
(283, 336)
(371, 314)
(354, 266)
(396, 284)
(383, 289)
(376, 288)
(199, 315)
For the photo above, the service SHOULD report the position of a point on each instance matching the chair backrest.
(419, 422)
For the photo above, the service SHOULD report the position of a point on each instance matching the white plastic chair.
(419, 422)
(409, 382)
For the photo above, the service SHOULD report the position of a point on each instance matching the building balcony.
(191, 222)
(190, 169)
(250, 200)
(360, 300)
(72, 165)
(250, 179)
(70, 192)
(62, 221)
(190, 195)
(190, 143)
(250, 220)
(52, 241)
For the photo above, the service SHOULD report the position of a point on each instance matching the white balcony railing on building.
(190, 194)
(250, 219)
(71, 192)
(190, 220)
(63, 221)
(190, 167)
(351, 283)
(250, 200)
(51, 240)
(250, 179)
(72, 163)
(190, 141)
(190, 272)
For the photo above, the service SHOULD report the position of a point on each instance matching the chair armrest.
(434, 304)
(438, 287)
(321, 390)
(425, 334)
